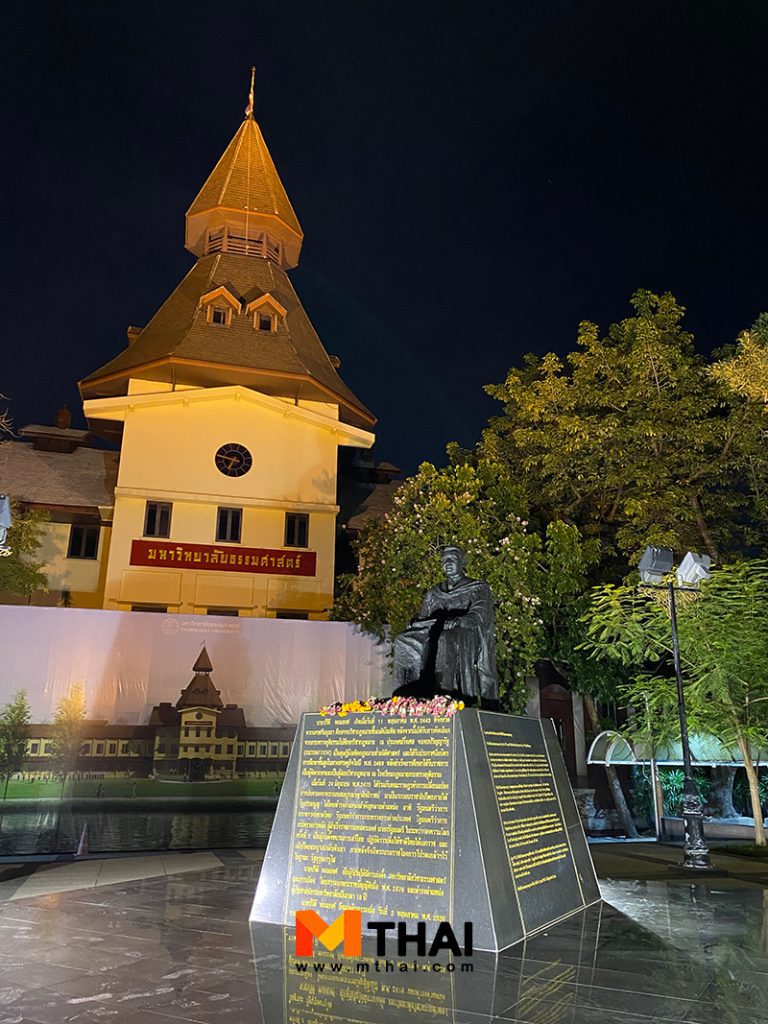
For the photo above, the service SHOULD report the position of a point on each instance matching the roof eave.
(358, 411)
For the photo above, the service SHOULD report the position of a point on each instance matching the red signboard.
(271, 561)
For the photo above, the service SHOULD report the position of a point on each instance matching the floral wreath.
(439, 707)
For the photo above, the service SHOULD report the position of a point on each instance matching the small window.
(219, 316)
(296, 529)
(157, 520)
(285, 749)
(99, 748)
(113, 748)
(149, 608)
(266, 322)
(281, 614)
(83, 542)
(240, 749)
(217, 748)
(228, 525)
(262, 750)
(124, 748)
(251, 749)
(86, 748)
(46, 748)
(223, 611)
(34, 747)
(273, 750)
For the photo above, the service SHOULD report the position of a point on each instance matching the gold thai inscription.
(373, 817)
(530, 812)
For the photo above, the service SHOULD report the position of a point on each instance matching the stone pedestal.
(424, 819)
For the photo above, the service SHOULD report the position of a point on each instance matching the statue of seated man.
(451, 647)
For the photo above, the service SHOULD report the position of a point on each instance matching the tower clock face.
(233, 460)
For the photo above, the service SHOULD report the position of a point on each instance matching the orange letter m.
(347, 926)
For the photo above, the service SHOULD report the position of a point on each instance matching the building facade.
(229, 414)
(197, 738)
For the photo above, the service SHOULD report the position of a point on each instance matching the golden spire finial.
(249, 108)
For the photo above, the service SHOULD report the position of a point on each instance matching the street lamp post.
(655, 564)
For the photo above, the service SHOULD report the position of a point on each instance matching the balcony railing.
(256, 245)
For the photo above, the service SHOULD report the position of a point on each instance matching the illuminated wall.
(168, 455)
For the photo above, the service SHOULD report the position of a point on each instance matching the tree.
(67, 732)
(723, 634)
(565, 599)
(14, 727)
(478, 508)
(746, 371)
(633, 440)
(20, 573)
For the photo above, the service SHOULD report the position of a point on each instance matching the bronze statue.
(451, 646)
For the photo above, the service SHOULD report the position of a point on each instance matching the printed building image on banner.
(147, 731)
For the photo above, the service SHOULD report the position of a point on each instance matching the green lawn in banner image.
(106, 788)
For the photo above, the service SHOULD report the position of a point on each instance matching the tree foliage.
(746, 372)
(14, 728)
(633, 440)
(477, 507)
(20, 573)
(67, 733)
(723, 636)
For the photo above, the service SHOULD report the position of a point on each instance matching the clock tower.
(229, 414)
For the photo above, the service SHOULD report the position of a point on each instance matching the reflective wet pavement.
(178, 948)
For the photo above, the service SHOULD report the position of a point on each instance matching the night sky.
(472, 178)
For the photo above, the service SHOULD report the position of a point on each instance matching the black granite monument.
(469, 818)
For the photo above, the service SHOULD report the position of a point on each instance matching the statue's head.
(453, 559)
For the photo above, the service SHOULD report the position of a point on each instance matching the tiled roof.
(180, 337)
(82, 478)
(245, 178)
(231, 717)
(200, 693)
(360, 502)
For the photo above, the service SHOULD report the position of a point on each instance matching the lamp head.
(693, 569)
(655, 564)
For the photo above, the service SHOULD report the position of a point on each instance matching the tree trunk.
(704, 533)
(721, 792)
(754, 794)
(617, 792)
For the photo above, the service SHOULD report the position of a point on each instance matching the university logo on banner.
(347, 928)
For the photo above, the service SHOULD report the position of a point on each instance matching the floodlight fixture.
(693, 569)
(655, 564)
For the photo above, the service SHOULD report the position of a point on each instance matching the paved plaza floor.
(164, 938)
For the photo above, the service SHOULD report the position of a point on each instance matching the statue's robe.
(461, 659)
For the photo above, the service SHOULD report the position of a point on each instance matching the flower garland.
(439, 707)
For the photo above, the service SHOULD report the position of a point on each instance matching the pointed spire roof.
(200, 691)
(246, 179)
(203, 663)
